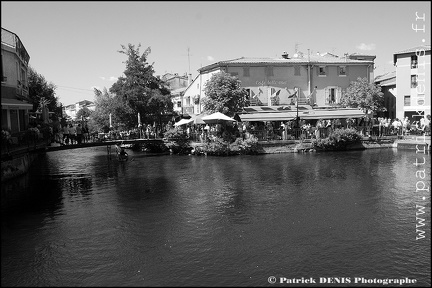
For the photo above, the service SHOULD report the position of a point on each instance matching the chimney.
(189, 79)
(285, 55)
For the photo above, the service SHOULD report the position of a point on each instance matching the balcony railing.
(12, 40)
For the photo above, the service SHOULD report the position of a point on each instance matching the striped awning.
(308, 114)
(331, 114)
(278, 116)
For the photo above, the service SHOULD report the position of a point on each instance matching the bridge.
(104, 143)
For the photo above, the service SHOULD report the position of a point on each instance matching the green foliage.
(339, 139)
(104, 105)
(40, 91)
(364, 95)
(139, 91)
(84, 113)
(224, 94)
(220, 147)
(177, 141)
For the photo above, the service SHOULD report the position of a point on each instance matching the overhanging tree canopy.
(139, 91)
(224, 94)
(364, 95)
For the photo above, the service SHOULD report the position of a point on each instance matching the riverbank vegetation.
(338, 139)
(179, 143)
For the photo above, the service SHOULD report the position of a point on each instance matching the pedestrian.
(66, 138)
(72, 133)
(79, 134)
(86, 135)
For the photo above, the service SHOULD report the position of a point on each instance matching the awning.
(331, 114)
(15, 104)
(278, 116)
(275, 109)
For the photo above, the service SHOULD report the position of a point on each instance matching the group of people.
(71, 133)
(311, 128)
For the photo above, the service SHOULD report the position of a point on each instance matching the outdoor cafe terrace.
(277, 123)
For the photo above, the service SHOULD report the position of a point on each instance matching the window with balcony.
(407, 100)
(414, 62)
(413, 81)
(23, 78)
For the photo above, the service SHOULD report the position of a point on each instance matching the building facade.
(14, 83)
(413, 82)
(72, 109)
(177, 84)
(319, 80)
(387, 82)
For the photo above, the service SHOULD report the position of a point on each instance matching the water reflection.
(214, 221)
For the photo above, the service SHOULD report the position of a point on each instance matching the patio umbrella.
(216, 118)
(197, 119)
(183, 122)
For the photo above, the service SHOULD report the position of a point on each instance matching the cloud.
(210, 58)
(367, 47)
(110, 79)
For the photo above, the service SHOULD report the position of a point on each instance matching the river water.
(80, 219)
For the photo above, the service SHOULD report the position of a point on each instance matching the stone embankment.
(295, 146)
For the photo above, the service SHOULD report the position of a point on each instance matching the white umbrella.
(216, 117)
(183, 122)
(197, 119)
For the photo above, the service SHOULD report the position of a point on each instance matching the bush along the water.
(177, 141)
(339, 139)
(219, 147)
(155, 147)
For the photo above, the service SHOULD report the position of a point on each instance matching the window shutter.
(346, 70)
(339, 94)
(317, 70)
(327, 70)
(326, 94)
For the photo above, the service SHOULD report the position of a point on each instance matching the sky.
(75, 45)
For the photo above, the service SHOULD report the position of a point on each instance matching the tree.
(83, 113)
(42, 93)
(224, 94)
(364, 95)
(103, 107)
(139, 91)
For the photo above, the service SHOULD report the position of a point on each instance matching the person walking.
(66, 138)
(72, 133)
(79, 133)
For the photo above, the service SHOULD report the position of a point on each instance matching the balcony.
(12, 40)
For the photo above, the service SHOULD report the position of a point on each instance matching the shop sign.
(271, 82)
